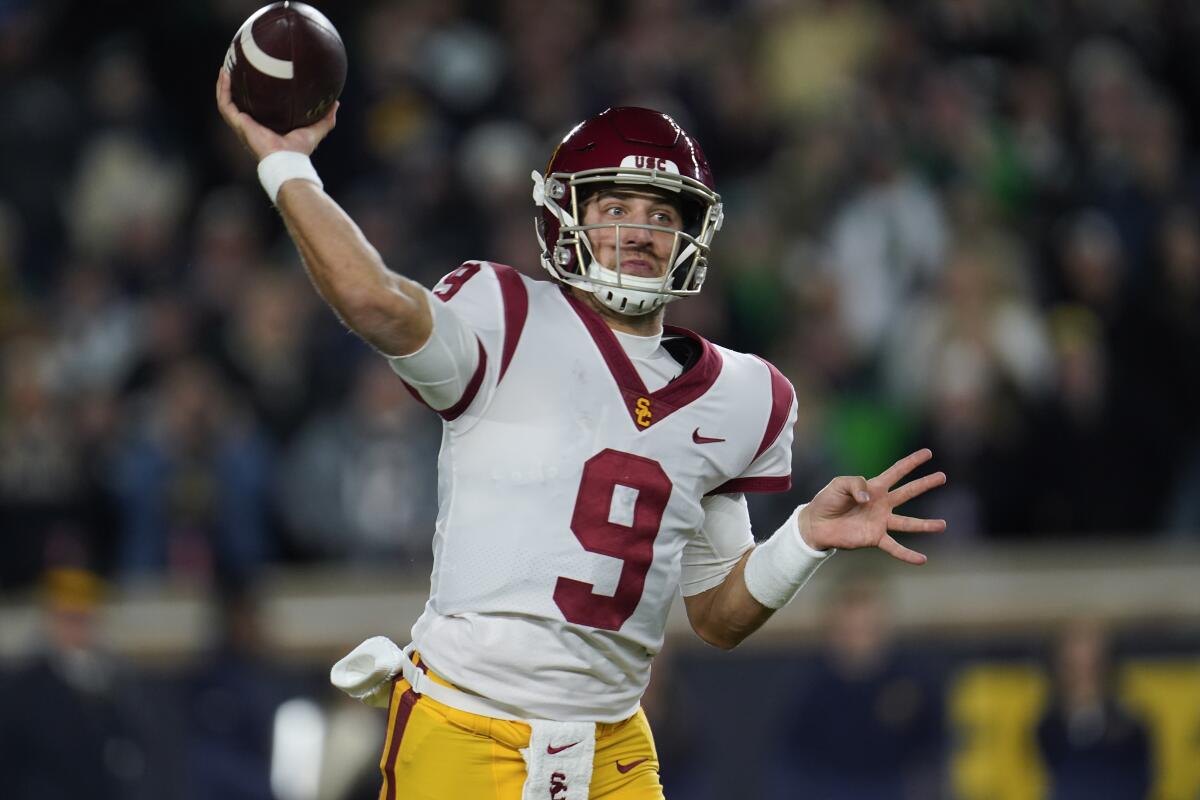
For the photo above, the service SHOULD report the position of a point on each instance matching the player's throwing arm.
(390, 312)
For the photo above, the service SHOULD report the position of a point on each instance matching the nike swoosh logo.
(551, 750)
(623, 768)
(698, 439)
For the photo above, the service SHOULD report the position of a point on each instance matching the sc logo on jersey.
(642, 412)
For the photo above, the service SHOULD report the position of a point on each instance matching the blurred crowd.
(858, 713)
(967, 224)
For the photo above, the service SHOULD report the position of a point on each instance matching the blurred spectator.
(12, 296)
(887, 243)
(1091, 747)
(867, 722)
(125, 204)
(549, 83)
(40, 132)
(192, 482)
(96, 332)
(973, 359)
(677, 738)
(1135, 167)
(979, 313)
(1091, 265)
(1085, 440)
(1183, 513)
(77, 722)
(227, 250)
(42, 478)
(264, 348)
(1175, 306)
(495, 160)
(913, 191)
(750, 284)
(1175, 299)
(1129, 383)
(1039, 135)
(1076, 428)
(359, 485)
(230, 700)
(972, 223)
(168, 322)
(812, 54)
(131, 186)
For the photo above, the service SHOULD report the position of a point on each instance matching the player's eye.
(614, 211)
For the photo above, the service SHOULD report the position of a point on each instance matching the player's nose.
(632, 236)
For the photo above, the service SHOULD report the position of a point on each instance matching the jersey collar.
(645, 407)
(638, 347)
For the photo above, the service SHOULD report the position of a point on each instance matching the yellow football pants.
(435, 752)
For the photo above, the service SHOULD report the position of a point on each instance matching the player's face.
(644, 253)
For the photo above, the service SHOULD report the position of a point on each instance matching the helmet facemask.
(571, 257)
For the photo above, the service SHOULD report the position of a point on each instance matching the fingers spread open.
(896, 550)
(892, 475)
(903, 524)
(916, 488)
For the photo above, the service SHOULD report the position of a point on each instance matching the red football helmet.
(633, 147)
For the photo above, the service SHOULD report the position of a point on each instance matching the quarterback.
(593, 463)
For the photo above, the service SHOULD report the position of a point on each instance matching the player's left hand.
(853, 512)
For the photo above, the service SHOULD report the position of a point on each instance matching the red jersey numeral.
(448, 286)
(633, 544)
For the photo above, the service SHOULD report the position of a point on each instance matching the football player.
(593, 463)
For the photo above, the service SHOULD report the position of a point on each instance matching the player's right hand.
(261, 140)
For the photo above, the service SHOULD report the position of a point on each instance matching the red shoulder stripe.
(515, 296)
(781, 405)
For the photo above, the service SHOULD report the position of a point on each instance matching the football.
(287, 66)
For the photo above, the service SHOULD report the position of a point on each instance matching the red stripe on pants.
(407, 701)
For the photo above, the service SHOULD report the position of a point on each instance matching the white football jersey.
(568, 491)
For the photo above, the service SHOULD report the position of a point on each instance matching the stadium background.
(967, 224)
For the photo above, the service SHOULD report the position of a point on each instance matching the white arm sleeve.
(720, 543)
(441, 369)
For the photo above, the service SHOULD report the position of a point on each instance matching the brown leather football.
(287, 65)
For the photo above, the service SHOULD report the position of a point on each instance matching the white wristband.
(780, 566)
(282, 166)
